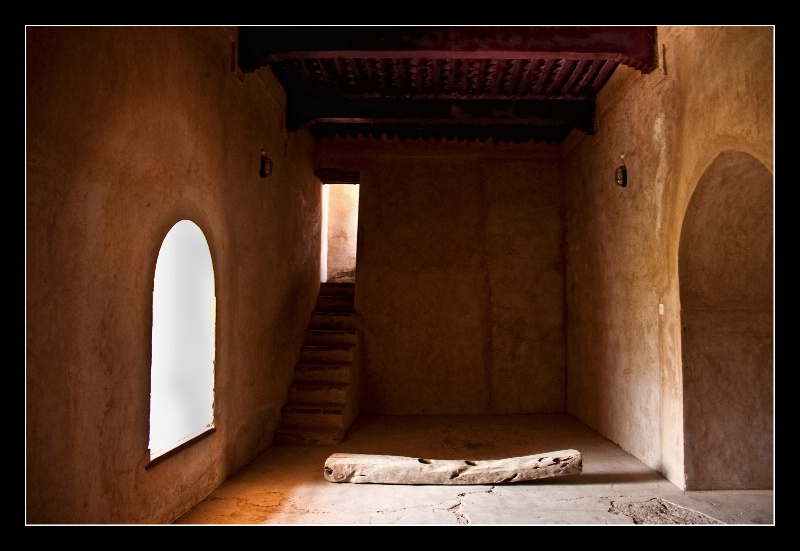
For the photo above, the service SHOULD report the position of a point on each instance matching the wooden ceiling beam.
(303, 112)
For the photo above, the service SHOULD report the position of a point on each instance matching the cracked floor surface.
(285, 485)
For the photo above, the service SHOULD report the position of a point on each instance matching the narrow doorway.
(339, 232)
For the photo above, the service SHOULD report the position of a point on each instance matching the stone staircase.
(323, 397)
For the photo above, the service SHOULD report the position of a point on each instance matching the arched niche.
(726, 293)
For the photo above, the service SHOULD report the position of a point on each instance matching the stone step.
(331, 337)
(336, 372)
(326, 354)
(308, 436)
(334, 288)
(334, 320)
(313, 415)
(318, 393)
(334, 303)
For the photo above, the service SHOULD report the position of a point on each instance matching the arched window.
(184, 322)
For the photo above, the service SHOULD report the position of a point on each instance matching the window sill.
(174, 451)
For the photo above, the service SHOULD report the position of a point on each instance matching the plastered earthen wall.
(624, 368)
(460, 276)
(130, 130)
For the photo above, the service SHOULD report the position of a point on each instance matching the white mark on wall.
(323, 258)
(661, 168)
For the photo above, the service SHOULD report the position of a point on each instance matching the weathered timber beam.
(496, 133)
(302, 112)
(395, 469)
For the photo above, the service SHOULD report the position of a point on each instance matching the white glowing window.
(184, 324)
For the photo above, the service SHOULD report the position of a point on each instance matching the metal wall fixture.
(266, 165)
(621, 174)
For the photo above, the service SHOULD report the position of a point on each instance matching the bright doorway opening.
(183, 340)
(339, 232)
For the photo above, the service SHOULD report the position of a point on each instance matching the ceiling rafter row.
(499, 83)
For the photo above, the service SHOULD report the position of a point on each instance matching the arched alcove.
(183, 340)
(726, 292)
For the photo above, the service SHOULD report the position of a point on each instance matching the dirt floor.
(286, 485)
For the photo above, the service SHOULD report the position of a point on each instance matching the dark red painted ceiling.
(500, 83)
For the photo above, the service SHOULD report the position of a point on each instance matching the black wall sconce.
(266, 165)
(621, 174)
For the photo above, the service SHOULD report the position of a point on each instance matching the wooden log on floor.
(397, 469)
